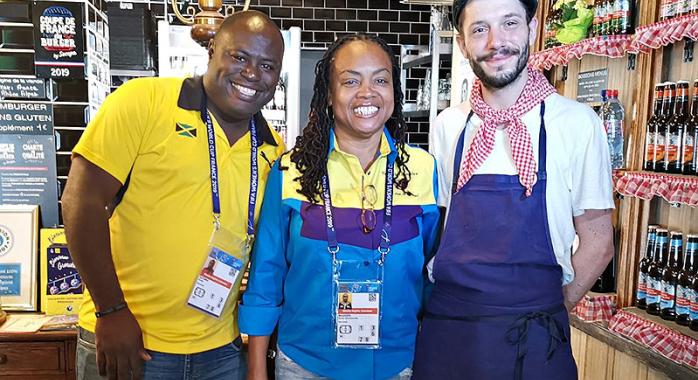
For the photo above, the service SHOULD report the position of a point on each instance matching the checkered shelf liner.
(596, 308)
(645, 39)
(674, 189)
(665, 341)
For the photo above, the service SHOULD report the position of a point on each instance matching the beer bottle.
(598, 18)
(690, 137)
(692, 246)
(625, 17)
(683, 7)
(614, 24)
(660, 137)
(670, 273)
(654, 283)
(650, 134)
(641, 294)
(684, 293)
(667, 9)
(673, 160)
(607, 17)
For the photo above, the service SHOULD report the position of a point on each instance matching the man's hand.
(120, 351)
(258, 374)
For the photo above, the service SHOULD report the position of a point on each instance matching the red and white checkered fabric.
(662, 33)
(667, 342)
(674, 189)
(536, 90)
(605, 46)
(599, 308)
(645, 39)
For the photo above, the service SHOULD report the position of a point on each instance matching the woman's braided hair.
(310, 152)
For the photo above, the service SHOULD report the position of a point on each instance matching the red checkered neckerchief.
(536, 90)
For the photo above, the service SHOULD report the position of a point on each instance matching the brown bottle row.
(610, 17)
(671, 131)
(675, 8)
(668, 277)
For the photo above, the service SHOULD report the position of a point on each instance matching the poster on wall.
(61, 286)
(58, 40)
(462, 78)
(28, 158)
(23, 88)
(18, 257)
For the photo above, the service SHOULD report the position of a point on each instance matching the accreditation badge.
(220, 274)
(357, 298)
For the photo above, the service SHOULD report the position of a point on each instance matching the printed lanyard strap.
(254, 172)
(384, 247)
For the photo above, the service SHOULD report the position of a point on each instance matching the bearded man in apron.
(522, 171)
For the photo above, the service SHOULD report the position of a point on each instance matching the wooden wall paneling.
(656, 375)
(541, 15)
(579, 343)
(626, 367)
(629, 252)
(676, 69)
(598, 355)
(682, 219)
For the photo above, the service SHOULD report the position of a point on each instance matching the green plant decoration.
(577, 16)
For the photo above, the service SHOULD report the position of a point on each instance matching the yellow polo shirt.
(152, 129)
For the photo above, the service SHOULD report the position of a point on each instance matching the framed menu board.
(19, 226)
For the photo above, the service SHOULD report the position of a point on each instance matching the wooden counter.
(602, 355)
(38, 356)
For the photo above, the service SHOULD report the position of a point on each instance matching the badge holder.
(221, 273)
(226, 254)
(357, 298)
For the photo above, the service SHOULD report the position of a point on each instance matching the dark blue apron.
(497, 309)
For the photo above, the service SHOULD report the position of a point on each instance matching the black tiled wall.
(321, 21)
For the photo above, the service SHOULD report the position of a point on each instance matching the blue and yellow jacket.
(291, 271)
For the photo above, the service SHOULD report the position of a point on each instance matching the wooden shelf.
(668, 324)
(613, 46)
(646, 39)
(643, 354)
(674, 188)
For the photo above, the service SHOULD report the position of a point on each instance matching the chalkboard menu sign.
(590, 84)
(28, 158)
(22, 88)
(58, 40)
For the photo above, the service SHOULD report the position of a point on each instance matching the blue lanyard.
(384, 247)
(254, 172)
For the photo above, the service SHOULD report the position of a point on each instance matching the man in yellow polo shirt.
(168, 177)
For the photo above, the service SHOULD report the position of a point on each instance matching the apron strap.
(458, 158)
(542, 143)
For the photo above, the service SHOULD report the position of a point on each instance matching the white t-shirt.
(578, 164)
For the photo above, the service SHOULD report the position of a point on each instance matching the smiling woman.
(345, 90)
(346, 225)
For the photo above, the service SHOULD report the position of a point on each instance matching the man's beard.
(504, 80)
